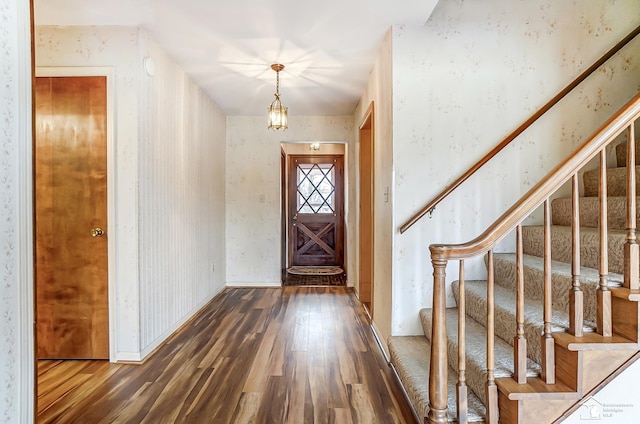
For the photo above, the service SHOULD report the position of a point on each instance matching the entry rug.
(315, 270)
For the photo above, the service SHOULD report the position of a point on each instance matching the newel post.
(439, 365)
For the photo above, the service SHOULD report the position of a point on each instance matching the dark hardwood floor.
(290, 355)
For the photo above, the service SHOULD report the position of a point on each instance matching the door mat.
(315, 270)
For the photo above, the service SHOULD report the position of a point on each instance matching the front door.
(71, 218)
(316, 203)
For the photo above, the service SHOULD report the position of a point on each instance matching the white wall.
(253, 227)
(465, 80)
(16, 277)
(169, 196)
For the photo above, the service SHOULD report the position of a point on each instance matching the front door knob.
(97, 232)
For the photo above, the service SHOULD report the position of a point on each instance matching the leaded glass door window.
(316, 188)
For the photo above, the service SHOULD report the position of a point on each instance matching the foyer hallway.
(289, 355)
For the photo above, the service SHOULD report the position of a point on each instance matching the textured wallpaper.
(16, 291)
(9, 259)
(475, 72)
(253, 190)
(181, 197)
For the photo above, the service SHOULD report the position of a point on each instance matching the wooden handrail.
(613, 127)
(429, 207)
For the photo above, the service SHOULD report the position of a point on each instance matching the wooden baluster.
(439, 364)
(631, 248)
(547, 342)
(520, 341)
(604, 325)
(491, 388)
(461, 387)
(576, 295)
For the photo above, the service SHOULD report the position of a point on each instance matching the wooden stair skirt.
(580, 365)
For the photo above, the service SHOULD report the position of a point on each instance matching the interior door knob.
(97, 232)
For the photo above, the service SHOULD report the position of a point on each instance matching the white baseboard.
(253, 284)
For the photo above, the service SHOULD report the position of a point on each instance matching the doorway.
(366, 212)
(316, 210)
(70, 208)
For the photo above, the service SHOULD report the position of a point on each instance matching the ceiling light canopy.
(277, 112)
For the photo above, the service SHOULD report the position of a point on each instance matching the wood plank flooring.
(290, 355)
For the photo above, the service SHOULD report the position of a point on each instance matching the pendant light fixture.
(277, 112)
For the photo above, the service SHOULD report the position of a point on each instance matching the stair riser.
(532, 237)
(589, 212)
(626, 316)
(505, 276)
(616, 182)
(621, 154)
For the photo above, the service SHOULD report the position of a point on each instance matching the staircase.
(554, 319)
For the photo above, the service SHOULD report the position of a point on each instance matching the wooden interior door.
(71, 218)
(366, 212)
(316, 210)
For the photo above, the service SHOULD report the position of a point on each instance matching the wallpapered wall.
(379, 90)
(16, 279)
(181, 197)
(169, 165)
(461, 83)
(253, 211)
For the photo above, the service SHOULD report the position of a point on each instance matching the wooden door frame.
(284, 217)
(366, 132)
(109, 73)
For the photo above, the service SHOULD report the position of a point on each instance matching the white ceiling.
(328, 47)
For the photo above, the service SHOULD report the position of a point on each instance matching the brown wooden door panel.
(316, 210)
(70, 201)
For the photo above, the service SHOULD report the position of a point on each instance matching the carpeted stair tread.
(410, 356)
(532, 242)
(589, 207)
(505, 276)
(505, 313)
(616, 181)
(476, 343)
